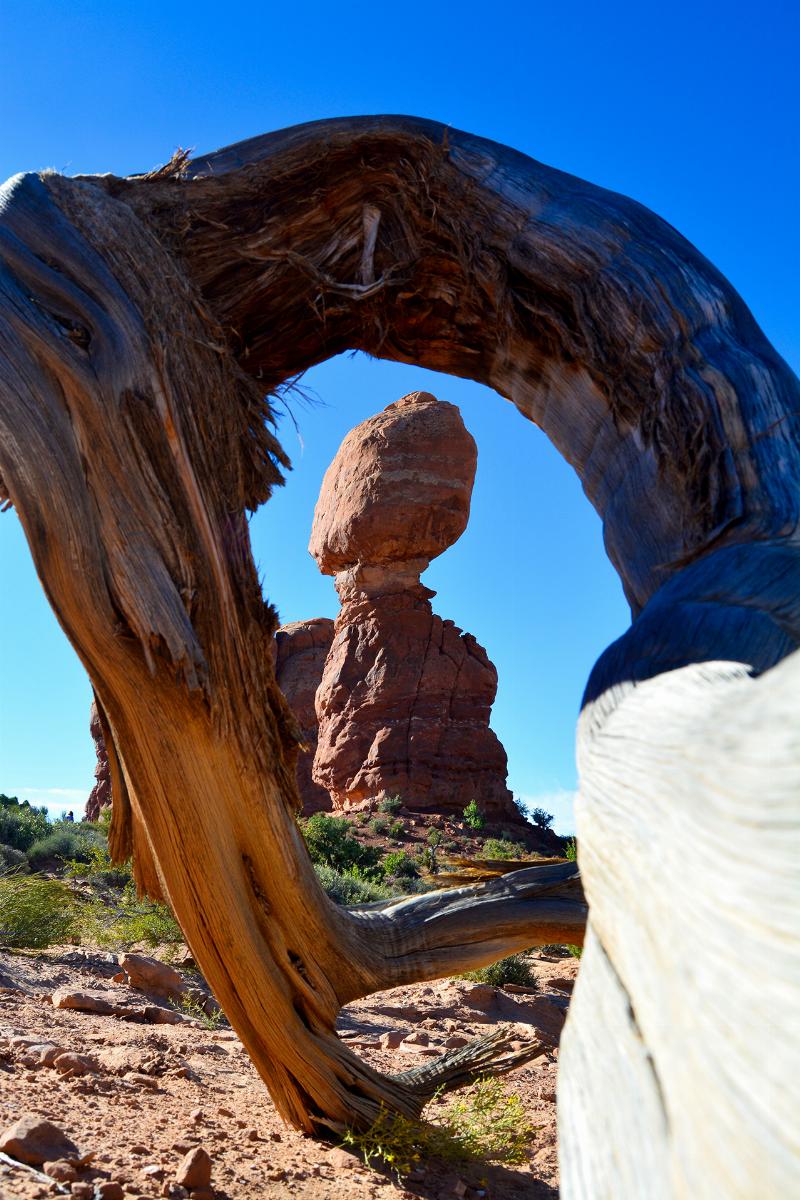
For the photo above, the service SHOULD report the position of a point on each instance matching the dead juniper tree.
(145, 323)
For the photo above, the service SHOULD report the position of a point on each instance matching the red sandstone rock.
(151, 975)
(35, 1141)
(405, 697)
(300, 652)
(100, 795)
(398, 489)
(195, 1170)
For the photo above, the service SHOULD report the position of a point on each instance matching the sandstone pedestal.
(405, 697)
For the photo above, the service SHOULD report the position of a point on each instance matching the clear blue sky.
(692, 108)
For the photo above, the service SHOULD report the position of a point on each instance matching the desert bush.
(541, 818)
(330, 843)
(67, 841)
(514, 969)
(210, 1017)
(502, 848)
(35, 912)
(349, 887)
(21, 825)
(482, 1124)
(122, 921)
(434, 837)
(426, 858)
(13, 860)
(474, 816)
(396, 831)
(390, 805)
(489, 1124)
(571, 850)
(60, 843)
(379, 826)
(397, 864)
(98, 869)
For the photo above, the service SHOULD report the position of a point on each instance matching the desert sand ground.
(143, 1095)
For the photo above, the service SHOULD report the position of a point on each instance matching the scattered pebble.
(195, 1170)
(34, 1141)
(60, 1170)
(110, 1190)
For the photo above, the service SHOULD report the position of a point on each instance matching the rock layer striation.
(301, 648)
(405, 697)
(100, 795)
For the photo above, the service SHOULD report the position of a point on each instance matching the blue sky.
(690, 108)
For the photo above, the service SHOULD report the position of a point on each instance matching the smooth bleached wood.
(685, 1012)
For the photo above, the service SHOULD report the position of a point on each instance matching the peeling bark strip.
(142, 322)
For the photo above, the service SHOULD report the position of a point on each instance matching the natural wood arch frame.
(142, 321)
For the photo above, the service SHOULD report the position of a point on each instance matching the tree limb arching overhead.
(142, 321)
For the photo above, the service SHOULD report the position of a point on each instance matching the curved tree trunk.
(141, 322)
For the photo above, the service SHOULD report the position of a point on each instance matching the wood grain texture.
(142, 322)
(128, 437)
(685, 1011)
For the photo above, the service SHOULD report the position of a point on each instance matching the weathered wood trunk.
(141, 322)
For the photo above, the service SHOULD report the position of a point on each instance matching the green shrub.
(397, 864)
(98, 869)
(122, 921)
(481, 1124)
(390, 805)
(210, 1016)
(349, 887)
(396, 831)
(514, 969)
(502, 848)
(13, 860)
(571, 850)
(68, 841)
(331, 844)
(426, 857)
(490, 1124)
(21, 825)
(35, 912)
(379, 826)
(60, 843)
(434, 837)
(473, 816)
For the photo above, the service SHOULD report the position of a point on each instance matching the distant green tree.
(541, 818)
(474, 816)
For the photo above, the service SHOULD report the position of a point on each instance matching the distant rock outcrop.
(100, 795)
(405, 697)
(300, 652)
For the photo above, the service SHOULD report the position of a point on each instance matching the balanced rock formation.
(100, 795)
(405, 697)
(300, 652)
